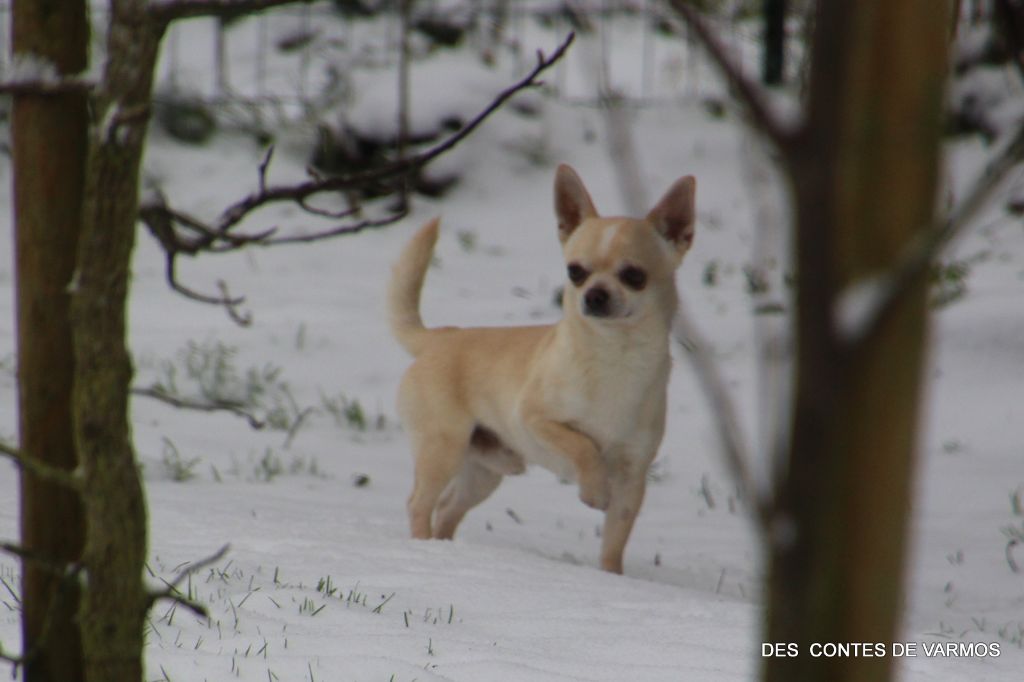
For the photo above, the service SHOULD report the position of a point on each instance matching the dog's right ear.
(572, 202)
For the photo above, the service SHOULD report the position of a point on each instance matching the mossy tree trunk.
(49, 151)
(115, 602)
(864, 181)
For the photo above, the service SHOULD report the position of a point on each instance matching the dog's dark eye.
(577, 273)
(633, 277)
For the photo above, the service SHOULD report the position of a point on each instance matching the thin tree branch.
(299, 192)
(737, 455)
(230, 303)
(172, 592)
(337, 231)
(35, 466)
(750, 94)
(171, 10)
(161, 219)
(864, 306)
(27, 555)
(193, 606)
(202, 406)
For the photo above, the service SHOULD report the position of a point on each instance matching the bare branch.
(337, 231)
(230, 303)
(264, 166)
(747, 91)
(170, 10)
(35, 466)
(858, 320)
(202, 406)
(737, 456)
(217, 237)
(172, 592)
(302, 191)
(193, 606)
(58, 568)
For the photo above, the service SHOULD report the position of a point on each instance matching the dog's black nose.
(597, 302)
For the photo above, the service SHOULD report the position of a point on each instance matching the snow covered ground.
(321, 581)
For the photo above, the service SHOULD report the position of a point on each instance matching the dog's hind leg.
(439, 457)
(473, 484)
(486, 463)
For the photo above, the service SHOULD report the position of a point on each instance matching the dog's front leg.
(579, 449)
(627, 494)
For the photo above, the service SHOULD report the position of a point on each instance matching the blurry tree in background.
(862, 164)
(864, 168)
(49, 148)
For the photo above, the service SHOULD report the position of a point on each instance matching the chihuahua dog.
(584, 397)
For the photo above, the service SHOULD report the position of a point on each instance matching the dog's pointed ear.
(572, 202)
(675, 216)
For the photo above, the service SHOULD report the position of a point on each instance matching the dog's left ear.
(675, 215)
(573, 204)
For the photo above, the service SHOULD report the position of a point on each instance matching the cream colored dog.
(584, 397)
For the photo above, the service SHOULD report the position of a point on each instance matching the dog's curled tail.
(406, 283)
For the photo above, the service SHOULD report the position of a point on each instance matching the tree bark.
(49, 151)
(864, 180)
(115, 603)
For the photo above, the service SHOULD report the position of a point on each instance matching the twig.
(337, 231)
(25, 554)
(293, 430)
(727, 423)
(193, 606)
(35, 466)
(747, 91)
(234, 214)
(205, 406)
(162, 219)
(230, 303)
(264, 165)
(170, 10)
(172, 592)
(885, 289)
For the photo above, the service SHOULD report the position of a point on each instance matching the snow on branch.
(752, 96)
(180, 233)
(864, 305)
(30, 74)
(37, 467)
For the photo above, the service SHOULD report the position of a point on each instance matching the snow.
(858, 304)
(31, 68)
(517, 596)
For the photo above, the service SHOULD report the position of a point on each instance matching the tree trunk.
(115, 603)
(864, 179)
(49, 150)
